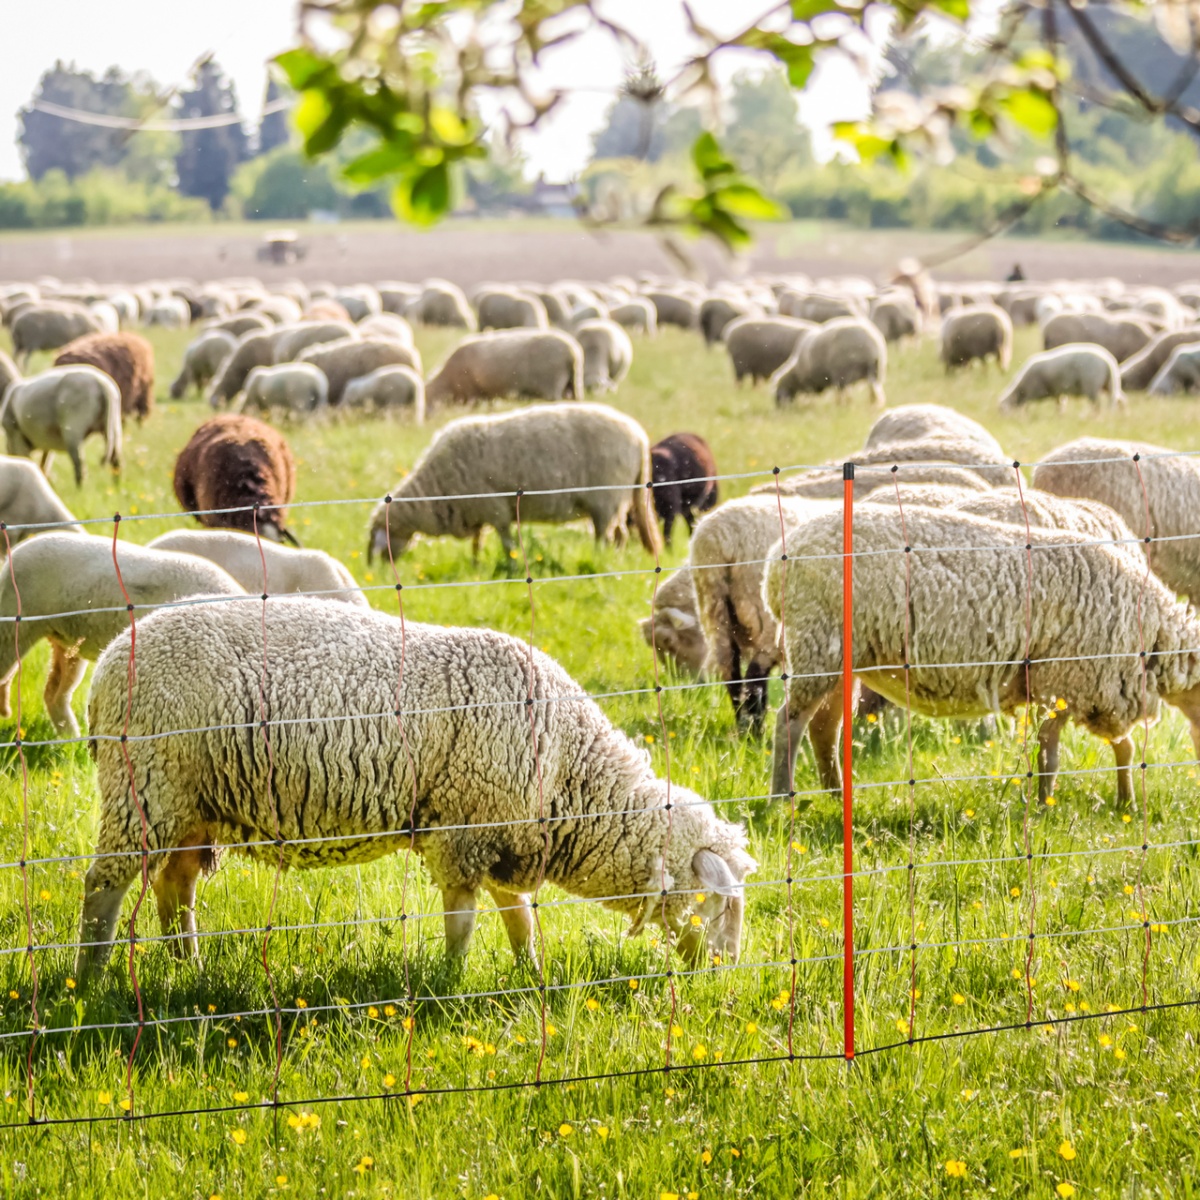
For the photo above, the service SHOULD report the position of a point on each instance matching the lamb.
(252, 350)
(47, 326)
(673, 628)
(976, 332)
(442, 303)
(202, 360)
(607, 354)
(542, 364)
(127, 358)
(350, 358)
(388, 389)
(69, 594)
(530, 741)
(298, 388)
(1077, 369)
(1181, 372)
(58, 410)
(839, 353)
(243, 556)
(1138, 372)
(506, 308)
(684, 471)
(1121, 336)
(759, 346)
(637, 314)
(28, 504)
(918, 422)
(590, 447)
(967, 606)
(292, 339)
(1165, 511)
(237, 473)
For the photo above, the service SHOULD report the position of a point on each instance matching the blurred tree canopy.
(207, 158)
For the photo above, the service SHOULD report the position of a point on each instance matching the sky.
(165, 37)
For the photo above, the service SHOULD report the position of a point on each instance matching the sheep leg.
(1048, 736)
(790, 726)
(668, 520)
(1123, 753)
(12, 651)
(104, 888)
(823, 730)
(67, 669)
(476, 542)
(458, 906)
(175, 892)
(877, 393)
(76, 457)
(518, 921)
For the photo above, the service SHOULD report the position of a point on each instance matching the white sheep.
(672, 629)
(840, 352)
(1076, 369)
(607, 354)
(1180, 373)
(246, 558)
(388, 389)
(28, 504)
(202, 360)
(469, 704)
(298, 388)
(541, 364)
(69, 594)
(918, 422)
(978, 331)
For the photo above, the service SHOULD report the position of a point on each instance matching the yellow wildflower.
(565, 1130)
(958, 998)
(956, 1168)
(238, 1137)
(1066, 1151)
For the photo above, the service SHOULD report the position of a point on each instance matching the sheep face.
(383, 534)
(677, 635)
(719, 879)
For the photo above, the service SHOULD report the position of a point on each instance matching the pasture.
(1093, 1104)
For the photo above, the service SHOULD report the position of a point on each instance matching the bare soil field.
(468, 251)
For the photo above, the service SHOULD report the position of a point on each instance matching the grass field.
(1102, 1104)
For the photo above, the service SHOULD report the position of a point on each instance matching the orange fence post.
(847, 760)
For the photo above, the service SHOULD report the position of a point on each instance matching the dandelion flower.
(706, 1157)
(1072, 985)
(700, 1052)
(799, 849)
(751, 1027)
(602, 1132)
(668, 1196)
(591, 1004)
(281, 1180)
(696, 920)
(565, 1130)
(902, 1026)
(1065, 1190)
(551, 1030)
(1017, 973)
(126, 1104)
(1017, 1153)
(633, 985)
(389, 1080)
(301, 1002)
(14, 994)
(1014, 892)
(956, 1168)
(389, 1010)
(958, 998)
(241, 1097)
(70, 985)
(238, 1137)
(104, 1097)
(231, 1042)
(364, 1164)
(1066, 1151)
(372, 1012)
(676, 1031)
(968, 1094)
(970, 812)
(43, 894)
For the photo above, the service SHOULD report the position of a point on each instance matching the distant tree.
(285, 186)
(763, 131)
(273, 128)
(50, 142)
(208, 157)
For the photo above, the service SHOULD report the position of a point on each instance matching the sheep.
(895, 316)
(252, 350)
(472, 472)
(507, 308)
(841, 352)
(243, 323)
(673, 628)
(557, 306)
(298, 388)
(717, 312)
(607, 354)
(1156, 493)
(947, 610)
(759, 346)
(637, 314)
(246, 558)
(202, 360)
(28, 503)
(817, 308)
(169, 312)
(542, 364)
(397, 297)
(69, 593)
(8, 372)
(726, 557)
(684, 471)
(282, 310)
(1122, 337)
(930, 495)
(388, 389)
(58, 410)
(234, 462)
(913, 466)
(1180, 373)
(47, 326)
(1076, 369)
(1138, 372)
(978, 331)
(674, 308)
(528, 738)
(127, 358)
(442, 303)
(361, 301)
(292, 339)
(916, 422)
(389, 327)
(349, 358)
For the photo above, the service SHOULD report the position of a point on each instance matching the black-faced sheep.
(684, 479)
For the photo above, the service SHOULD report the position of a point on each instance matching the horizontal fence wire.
(889, 475)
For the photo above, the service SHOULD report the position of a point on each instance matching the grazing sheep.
(817, 308)
(202, 360)
(1138, 372)
(282, 310)
(541, 364)
(442, 303)
(360, 301)
(28, 503)
(506, 308)
(293, 339)
(976, 332)
(637, 314)
(1077, 369)
(1121, 336)
(917, 422)
(388, 389)
(349, 358)
(607, 354)
(298, 388)
(245, 558)
(58, 410)
(896, 317)
(557, 306)
(48, 326)
(326, 310)
(556, 754)
(930, 495)
(1157, 496)
(252, 350)
(234, 462)
(389, 327)
(916, 463)
(673, 628)
(470, 475)
(69, 593)
(127, 358)
(1180, 373)
(841, 352)
(717, 312)
(964, 607)
(674, 308)
(397, 297)
(243, 323)
(759, 346)
(169, 312)
(684, 479)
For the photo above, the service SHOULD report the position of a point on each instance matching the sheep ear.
(713, 873)
(679, 619)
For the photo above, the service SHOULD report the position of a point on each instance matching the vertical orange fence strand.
(848, 760)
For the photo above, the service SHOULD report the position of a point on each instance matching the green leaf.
(423, 198)
(1031, 109)
(312, 110)
(745, 200)
(709, 158)
(797, 59)
(959, 10)
(806, 10)
(302, 66)
(449, 126)
(379, 161)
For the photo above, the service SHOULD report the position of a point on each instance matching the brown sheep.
(684, 479)
(235, 462)
(127, 358)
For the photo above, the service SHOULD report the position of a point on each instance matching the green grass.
(1120, 1090)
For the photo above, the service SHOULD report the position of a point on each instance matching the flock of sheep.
(338, 734)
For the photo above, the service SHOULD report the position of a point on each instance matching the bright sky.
(165, 37)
